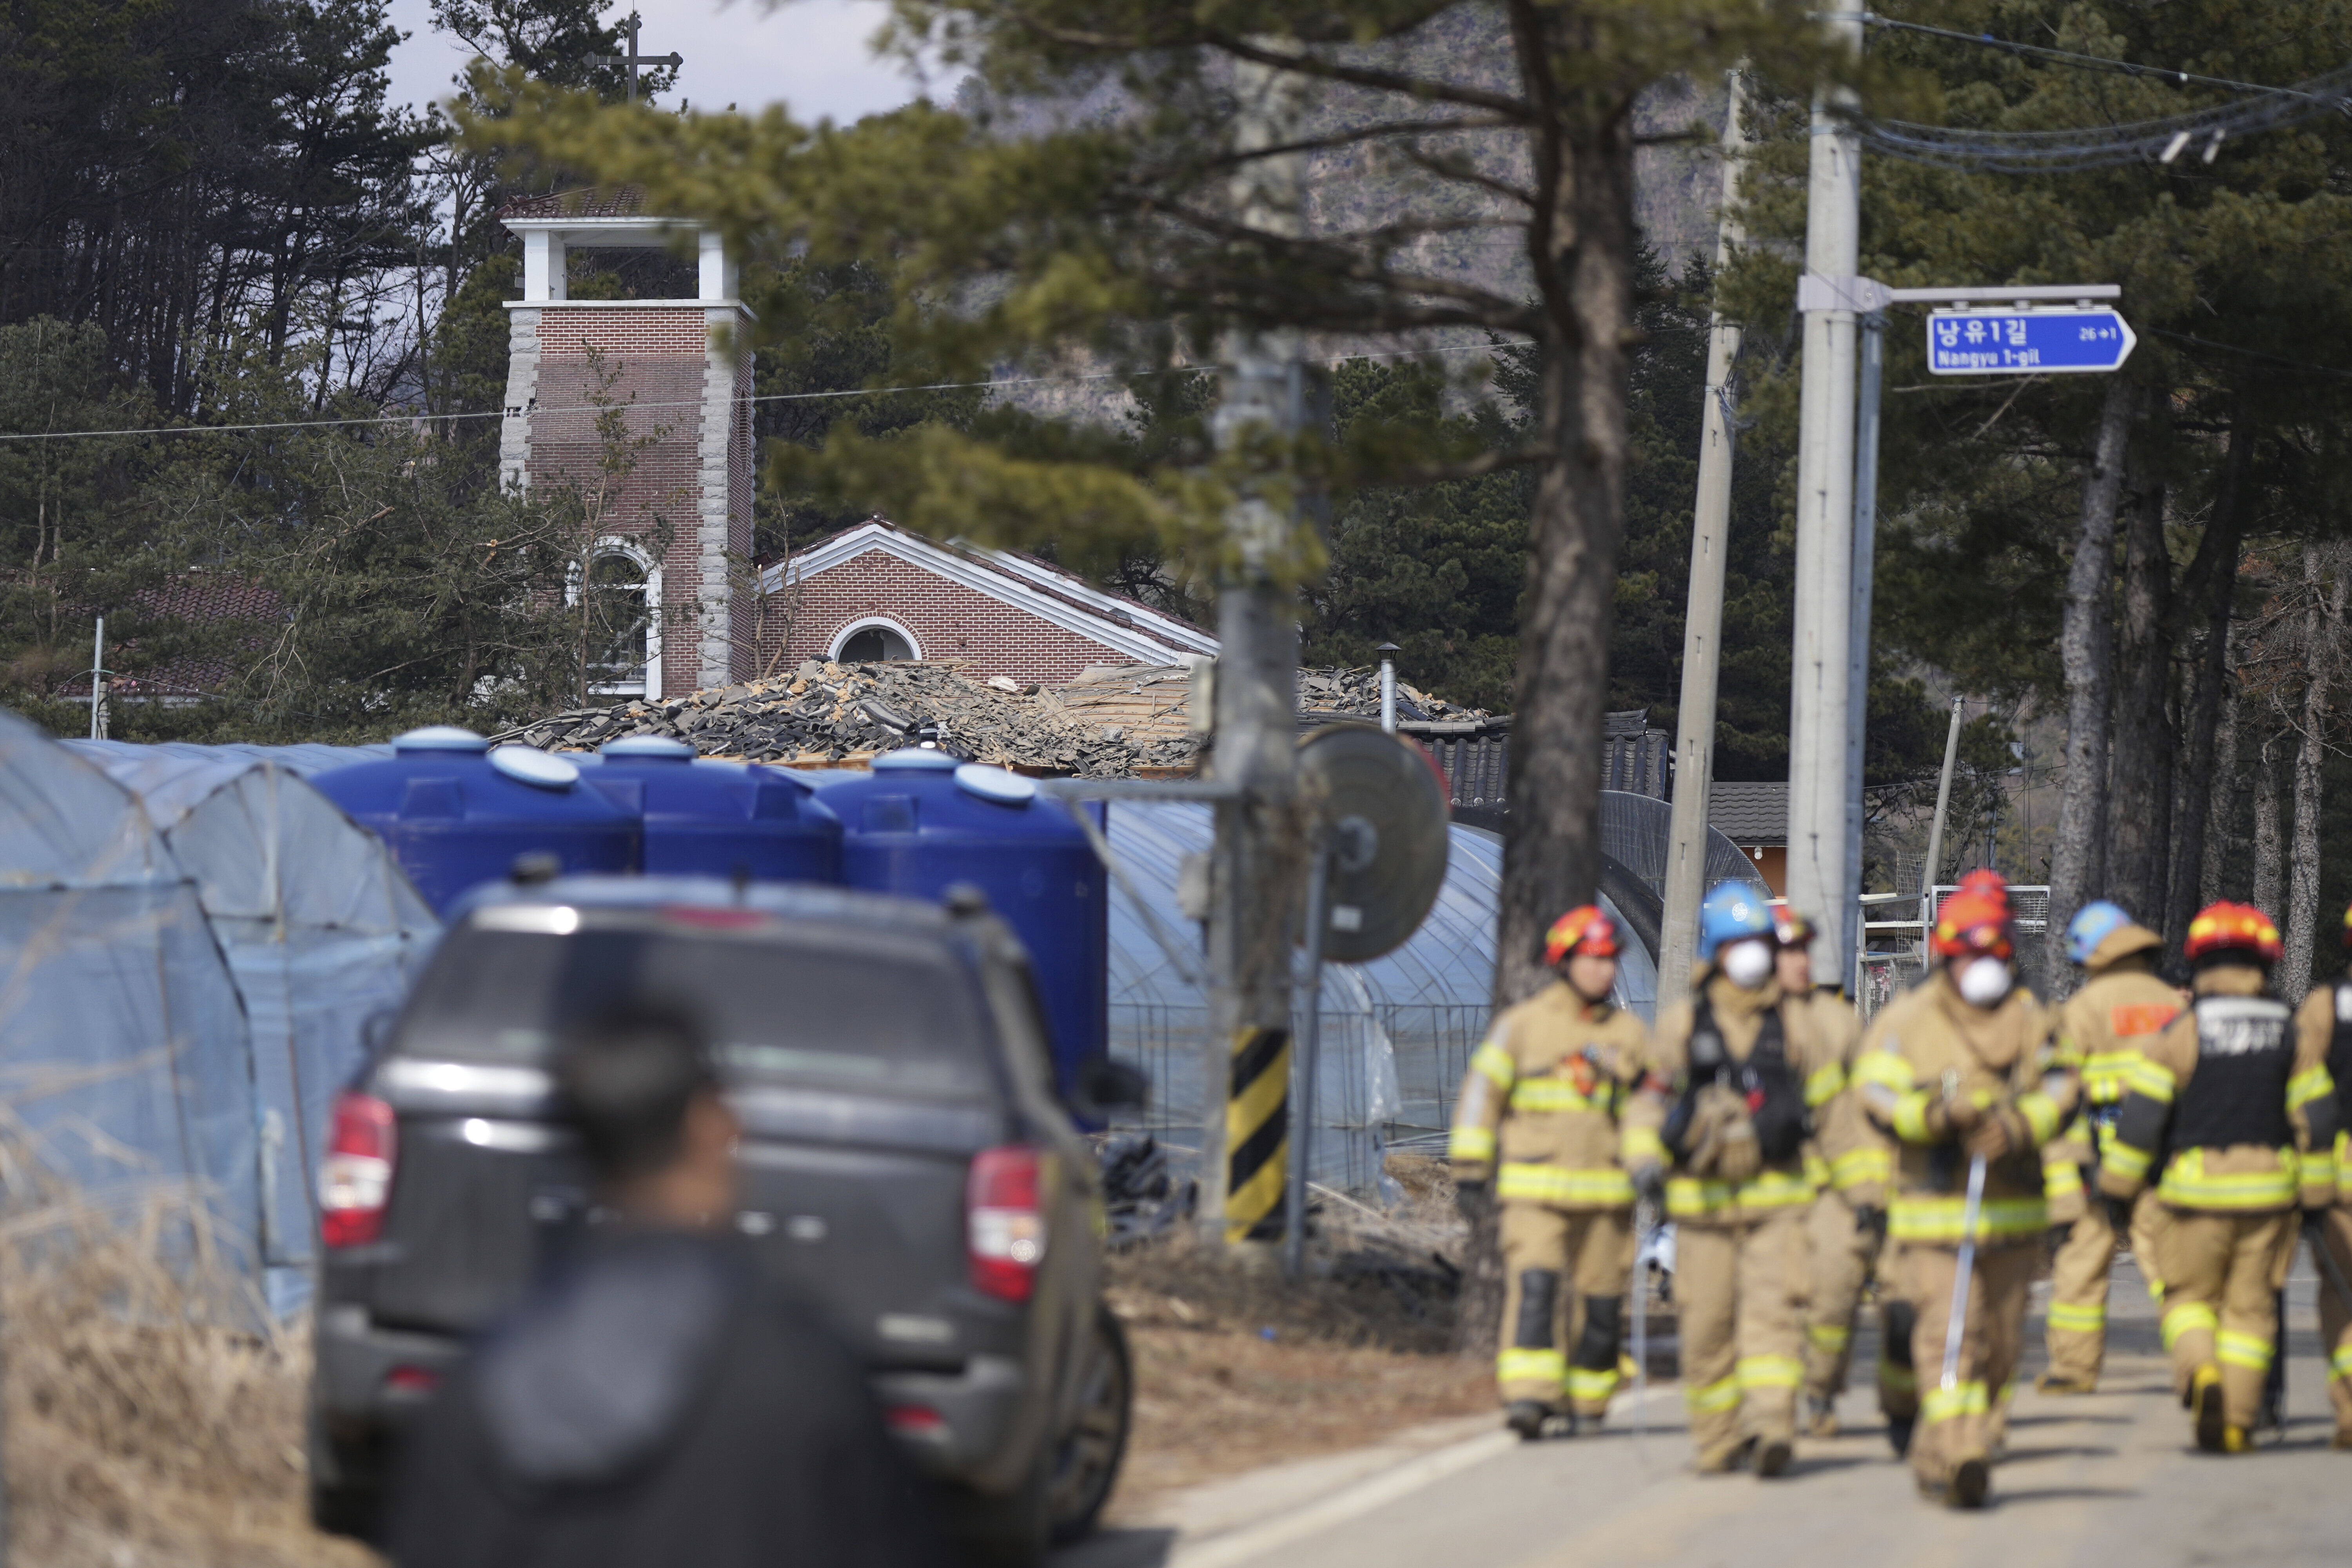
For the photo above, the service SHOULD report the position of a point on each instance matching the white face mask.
(1984, 981)
(1746, 963)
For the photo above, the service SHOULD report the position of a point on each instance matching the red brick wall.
(949, 620)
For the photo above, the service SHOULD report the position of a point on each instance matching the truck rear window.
(894, 1016)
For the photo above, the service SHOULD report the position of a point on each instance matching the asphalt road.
(2110, 1480)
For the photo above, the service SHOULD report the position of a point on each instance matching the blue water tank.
(456, 814)
(919, 822)
(706, 817)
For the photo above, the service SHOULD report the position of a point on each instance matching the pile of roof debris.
(1113, 722)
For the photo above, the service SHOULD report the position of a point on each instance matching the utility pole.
(1866, 550)
(1819, 781)
(1253, 866)
(1703, 621)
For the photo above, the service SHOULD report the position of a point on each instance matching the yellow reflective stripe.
(2339, 1363)
(1961, 1399)
(1910, 1117)
(2078, 1317)
(1691, 1196)
(1543, 1095)
(1721, 1394)
(1829, 1338)
(2307, 1086)
(2151, 1079)
(1592, 1386)
(2231, 1347)
(1824, 1085)
(1775, 1189)
(2106, 1074)
(1493, 1063)
(2061, 1179)
(1470, 1143)
(2125, 1160)
(1640, 1143)
(2188, 1318)
(1886, 1069)
(2040, 1113)
(1856, 1166)
(1897, 1379)
(1817, 1171)
(1769, 1372)
(2188, 1185)
(1939, 1217)
(1603, 1185)
(1530, 1366)
(2318, 1168)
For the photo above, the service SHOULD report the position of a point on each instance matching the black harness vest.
(2245, 1053)
(1776, 1100)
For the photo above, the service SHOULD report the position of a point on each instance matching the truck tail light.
(1004, 1226)
(355, 1178)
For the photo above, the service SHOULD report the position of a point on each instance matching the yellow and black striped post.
(1257, 1133)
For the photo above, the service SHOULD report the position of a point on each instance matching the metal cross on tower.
(634, 60)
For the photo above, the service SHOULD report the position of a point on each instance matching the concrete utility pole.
(1703, 621)
(1818, 781)
(1865, 555)
(1255, 864)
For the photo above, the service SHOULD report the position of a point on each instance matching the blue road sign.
(2028, 343)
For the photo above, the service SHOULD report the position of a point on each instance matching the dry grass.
(154, 1415)
(1236, 1368)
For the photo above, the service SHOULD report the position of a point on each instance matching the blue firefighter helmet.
(2092, 924)
(1732, 910)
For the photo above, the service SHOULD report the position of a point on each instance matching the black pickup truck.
(905, 1165)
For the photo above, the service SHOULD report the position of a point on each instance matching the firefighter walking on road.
(1848, 1164)
(1724, 1100)
(2121, 1007)
(2324, 1024)
(1965, 1077)
(2242, 1112)
(1536, 1128)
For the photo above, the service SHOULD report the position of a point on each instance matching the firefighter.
(2242, 1112)
(2122, 1006)
(1848, 1164)
(2325, 1023)
(1723, 1098)
(1963, 1071)
(1537, 1119)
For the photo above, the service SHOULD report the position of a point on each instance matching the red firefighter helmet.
(2233, 928)
(1586, 928)
(1790, 929)
(1974, 924)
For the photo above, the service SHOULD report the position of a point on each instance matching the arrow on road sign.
(2028, 343)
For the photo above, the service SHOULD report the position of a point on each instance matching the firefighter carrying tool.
(1538, 1118)
(1848, 1163)
(1724, 1098)
(2121, 1006)
(1962, 1074)
(2236, 1115)
(2324, 1021)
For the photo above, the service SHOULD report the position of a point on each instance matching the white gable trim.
(1153, 639)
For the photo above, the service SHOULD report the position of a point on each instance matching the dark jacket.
(651, 1402)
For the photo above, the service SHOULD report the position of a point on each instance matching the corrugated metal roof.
(1749, 814)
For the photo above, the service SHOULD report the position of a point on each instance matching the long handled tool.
(1967, 1265)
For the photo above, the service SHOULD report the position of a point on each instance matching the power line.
(2070, 57)
(697, 403)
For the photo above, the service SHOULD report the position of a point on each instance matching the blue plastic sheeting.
(1397, 1031)
(301, 761)
(124, 1054)
(319, 931)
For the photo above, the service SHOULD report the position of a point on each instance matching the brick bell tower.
(661, 361)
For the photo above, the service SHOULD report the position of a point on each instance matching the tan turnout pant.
(2222, 1273)
(1842, 1254)
(1564, 1277)
(1739, 1296)
(1964, 1420)
(2336, 1316)
(2079, 1278)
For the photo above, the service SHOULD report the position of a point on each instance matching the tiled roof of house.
(1749, 814)
(193, 599)
(591, 201)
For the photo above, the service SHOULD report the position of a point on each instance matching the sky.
(811, 54)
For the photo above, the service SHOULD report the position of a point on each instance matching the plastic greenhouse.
(257, 883)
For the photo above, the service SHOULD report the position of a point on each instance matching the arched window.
(872, 641)
(623, 603)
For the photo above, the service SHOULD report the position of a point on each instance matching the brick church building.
(678, 373)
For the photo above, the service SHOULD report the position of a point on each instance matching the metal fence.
(1891, 961)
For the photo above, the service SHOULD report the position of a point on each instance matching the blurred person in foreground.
(649, 1402)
